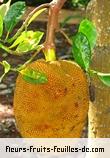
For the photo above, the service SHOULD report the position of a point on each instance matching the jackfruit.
(55, 109)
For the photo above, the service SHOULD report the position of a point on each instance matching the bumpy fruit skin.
(56, 109)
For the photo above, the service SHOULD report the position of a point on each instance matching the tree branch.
(52, 26)
(66, 36)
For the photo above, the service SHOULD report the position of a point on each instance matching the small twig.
(68, 56)
(31, 59)
(34, 55)
(46, 5)
(65, 35)
(7, 35)
(7, 49)
(13, 52)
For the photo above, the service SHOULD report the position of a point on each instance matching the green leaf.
(33, 76)
(28, 36)
(14, 15)
(35, 15)
(28, 41)
(4, 9)
(81, 50)
(1, 25)
(7, 68)
(104, 77)
(88, 29)
(21, 38)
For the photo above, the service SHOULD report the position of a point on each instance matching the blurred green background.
(68, 4)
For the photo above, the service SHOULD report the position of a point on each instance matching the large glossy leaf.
(1, 25)
(14, 15)
(33, 76)
(105, 78)
(4, 9)
(28, 41)
(88, 29)
(81, 50)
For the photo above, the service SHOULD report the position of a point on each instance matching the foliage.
(25, 41)
(89, 30)
(77, 3)
(13, 15)
(82, 49)
(1, 25)
(4, 8)
(69, 3)
(7, 68)
(34, 77)
(83, 44)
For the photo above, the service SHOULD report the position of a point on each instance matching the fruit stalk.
(52, 26)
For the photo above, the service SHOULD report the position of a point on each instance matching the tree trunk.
(99, 112)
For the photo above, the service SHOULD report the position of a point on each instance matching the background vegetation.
(69, 3)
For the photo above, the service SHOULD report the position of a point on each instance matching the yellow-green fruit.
(56, 109)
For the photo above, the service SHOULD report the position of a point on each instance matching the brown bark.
(99, 13)
(99, 112)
